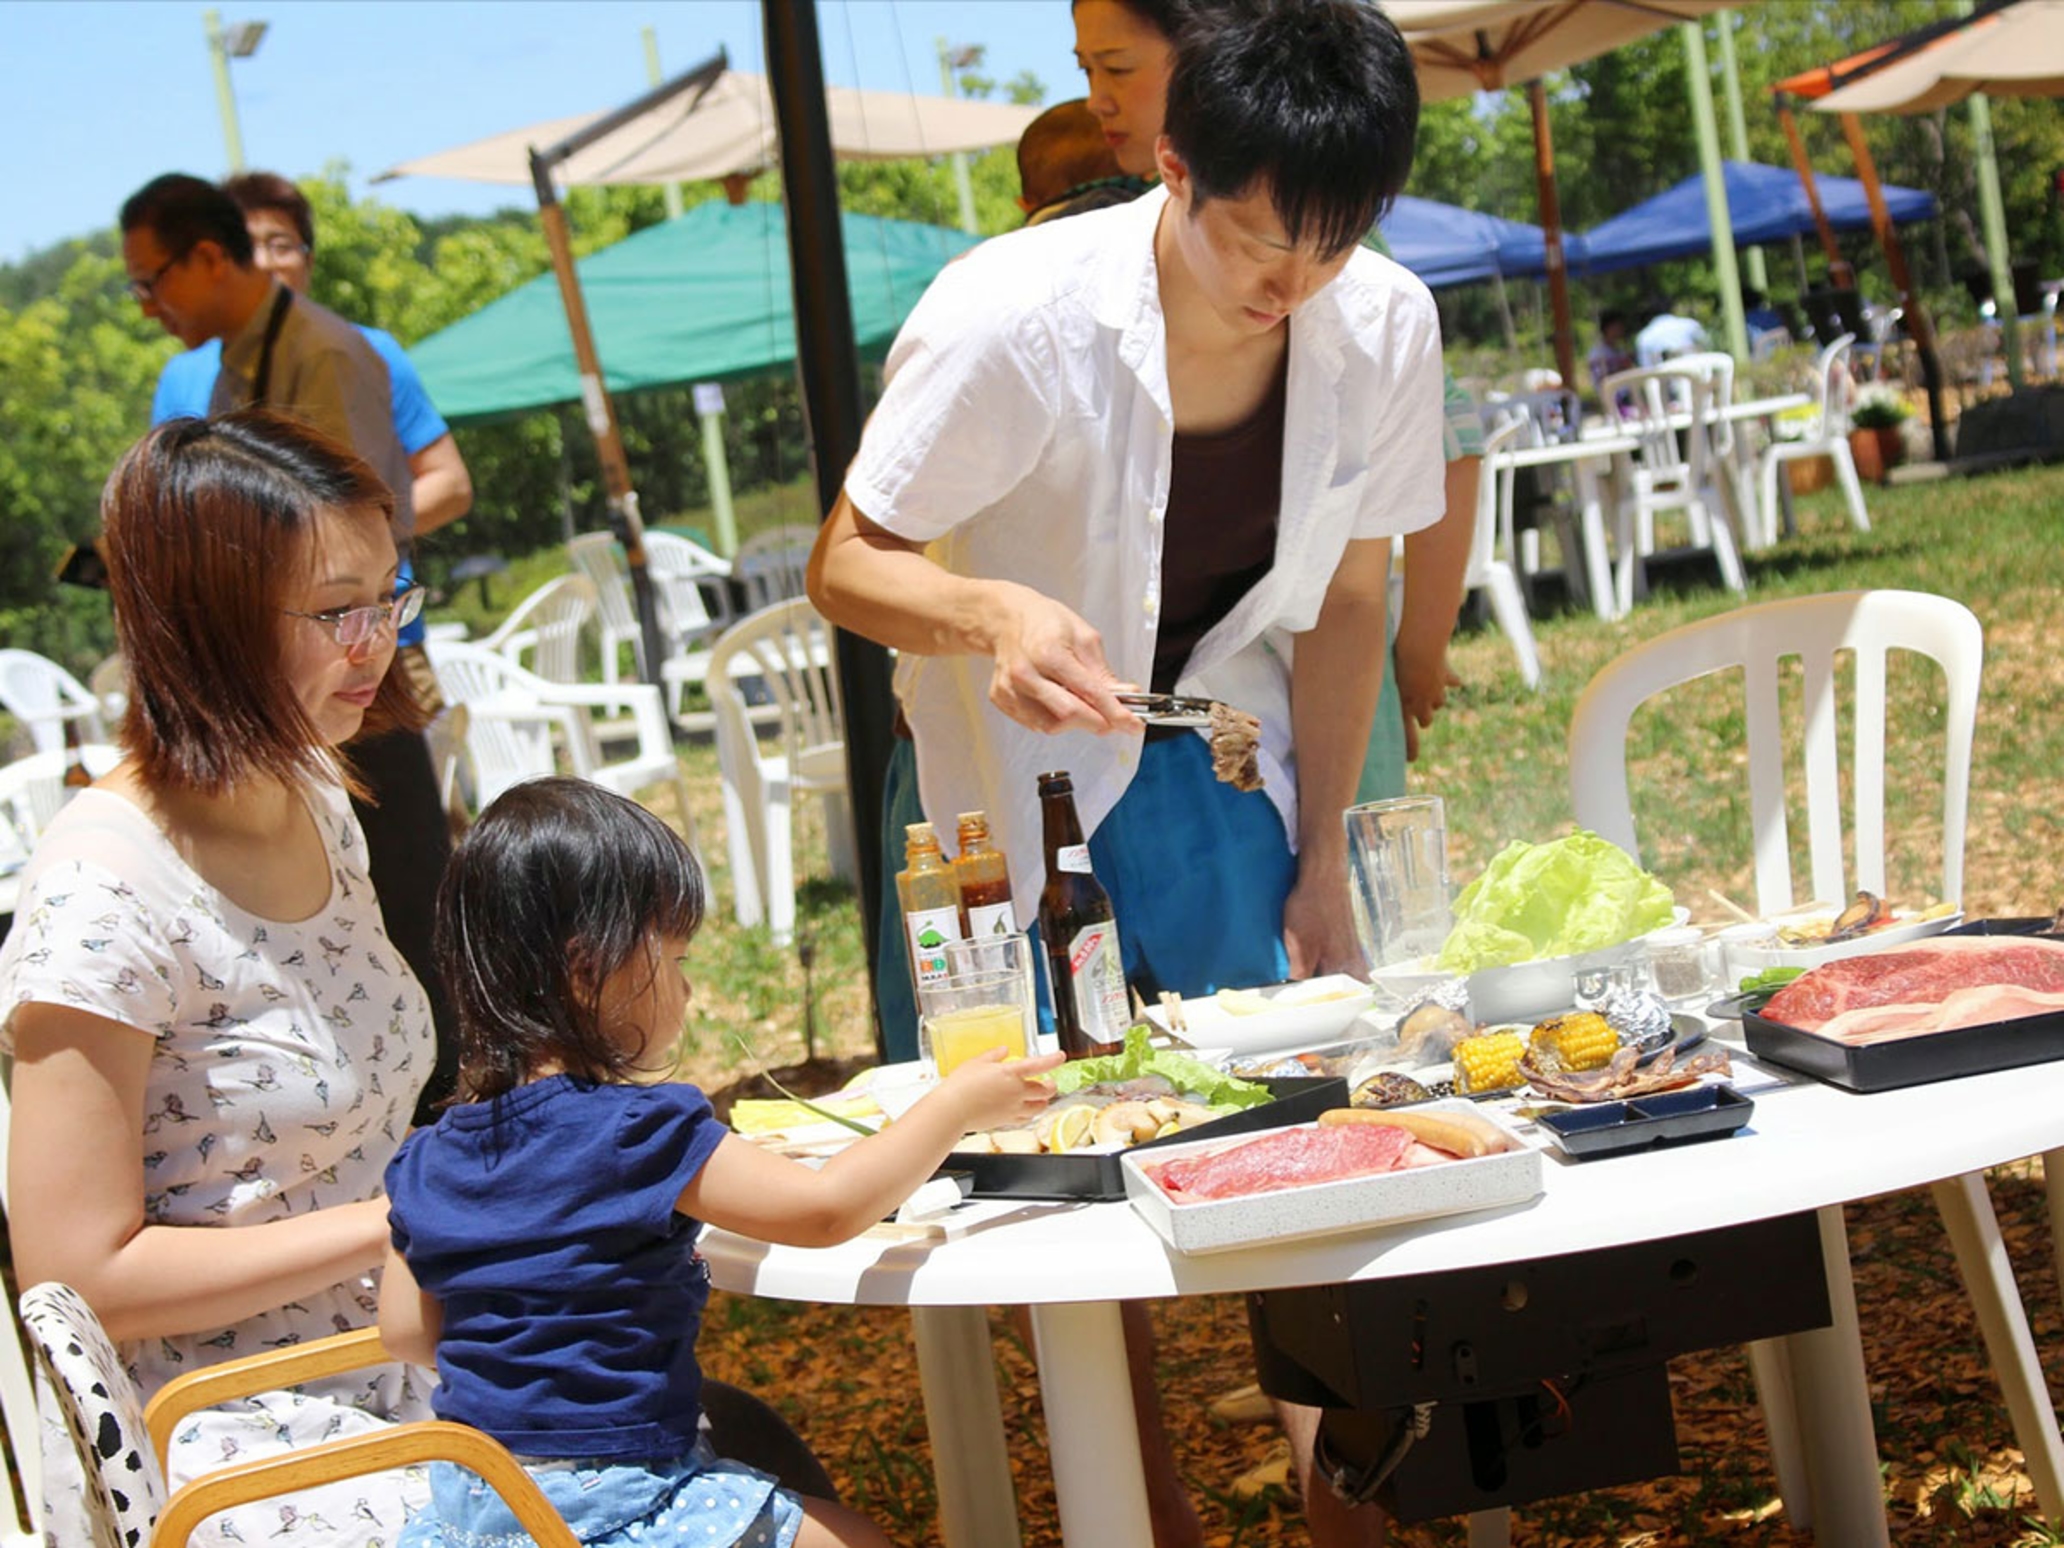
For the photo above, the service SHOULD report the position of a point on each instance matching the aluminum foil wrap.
(1638, 1015)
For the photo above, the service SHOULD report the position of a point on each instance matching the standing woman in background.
(217, 1048)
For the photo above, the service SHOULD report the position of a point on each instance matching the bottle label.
(987, 919)
(1073, 857)
(929, 930)
(1096, 980)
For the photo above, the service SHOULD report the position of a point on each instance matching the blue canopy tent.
(1766, 204)
(1446, 245)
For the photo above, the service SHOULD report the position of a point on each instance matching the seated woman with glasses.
(216, 1048)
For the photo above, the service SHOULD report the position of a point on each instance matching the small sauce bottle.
(931, 903)
(984, 876)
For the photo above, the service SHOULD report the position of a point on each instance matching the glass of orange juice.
(983, 1001)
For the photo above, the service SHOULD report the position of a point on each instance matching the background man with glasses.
(193, 266)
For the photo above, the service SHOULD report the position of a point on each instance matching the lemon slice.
(1071, 1129)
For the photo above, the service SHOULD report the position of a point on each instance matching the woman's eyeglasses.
(353, 626)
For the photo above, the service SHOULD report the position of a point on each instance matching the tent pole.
(1699, 80)
(600, 410)
(831, 398)
(1993, 218)
(1551, 235)
(1840, 275)
(1909, 298)
(1738, 137)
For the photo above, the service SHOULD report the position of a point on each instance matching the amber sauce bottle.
(1085, 969)
(984, 876)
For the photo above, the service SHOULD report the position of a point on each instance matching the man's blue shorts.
(1197, 872)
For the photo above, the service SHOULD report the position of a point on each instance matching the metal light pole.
(240, 41)
(951, 59)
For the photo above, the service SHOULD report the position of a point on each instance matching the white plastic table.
(1809, 1147)
(1583, 455)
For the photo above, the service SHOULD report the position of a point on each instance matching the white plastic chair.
(770, 564)
(42, 695)
(33, 788)
(596, 556)
(1487, 572)
(786, 651)
(685, 578)
(518, 726)
(1827, 436)
(542, 634)
(1659, 404)
(121, 1444)
(1756, 641)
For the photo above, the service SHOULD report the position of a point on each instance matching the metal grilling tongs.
(1167, 709)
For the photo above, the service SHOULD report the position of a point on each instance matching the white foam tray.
(1743, 960)
(1322, 1209)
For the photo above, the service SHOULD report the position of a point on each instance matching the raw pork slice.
(1288, 1159)
(1929, 986)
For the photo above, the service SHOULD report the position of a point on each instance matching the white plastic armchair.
(1658, 405)
(1757, 642)
(596, 556)
(519, 726)
(543, 632)
(42, 695)
(1827, 436)
(33, 788)
(783, 653)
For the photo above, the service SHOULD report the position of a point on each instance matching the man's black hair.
(1318, 98)
(182, 212)
(1610, 316)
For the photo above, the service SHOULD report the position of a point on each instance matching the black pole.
(831, 404)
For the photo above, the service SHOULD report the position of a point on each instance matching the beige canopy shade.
(2014, 52)
(1463, 46)
(731, 130)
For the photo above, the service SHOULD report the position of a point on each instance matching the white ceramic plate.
(1743, 960)
(1300, 1015)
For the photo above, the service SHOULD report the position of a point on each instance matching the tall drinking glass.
(1397, 856)
(984, 1000)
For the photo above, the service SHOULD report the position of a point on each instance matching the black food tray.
(1098, 1176)
(1915, 1061)
(1667, 1118)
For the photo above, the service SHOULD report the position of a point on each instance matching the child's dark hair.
(556, 888)
(1317, 97)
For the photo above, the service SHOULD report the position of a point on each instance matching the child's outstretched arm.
(411, 1319)
(751, 1191)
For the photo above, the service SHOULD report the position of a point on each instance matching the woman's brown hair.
(209, 525)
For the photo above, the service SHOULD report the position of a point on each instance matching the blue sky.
(114, 92)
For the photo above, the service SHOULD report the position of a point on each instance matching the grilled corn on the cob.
(1583, 1040)
(1489, 1062)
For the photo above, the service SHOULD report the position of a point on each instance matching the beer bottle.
(984, 877)
(1085, 970)
(76, 776)
(931, 903)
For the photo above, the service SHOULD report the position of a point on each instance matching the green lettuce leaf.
(1559, 899)
(1213, 1087)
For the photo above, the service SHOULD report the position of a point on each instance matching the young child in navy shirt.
(544, 1229)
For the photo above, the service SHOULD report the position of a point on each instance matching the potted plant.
(1875, 438)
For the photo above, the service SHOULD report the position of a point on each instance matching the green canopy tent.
(704, 298)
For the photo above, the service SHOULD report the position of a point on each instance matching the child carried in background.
(544, 1229)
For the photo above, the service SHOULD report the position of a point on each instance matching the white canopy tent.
(729, 130)
(2014, 52)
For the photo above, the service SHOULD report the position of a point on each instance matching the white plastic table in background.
(1584, 456)
(1810, 1147)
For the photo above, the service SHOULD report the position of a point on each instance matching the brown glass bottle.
(76, 775)
(984, 877)
(1085, 969)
